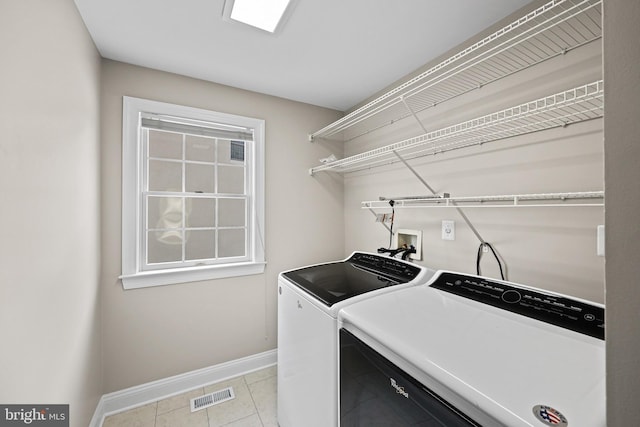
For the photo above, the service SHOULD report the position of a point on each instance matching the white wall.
(550, 248)
(622, 183)
(49, 249)
(154, 333)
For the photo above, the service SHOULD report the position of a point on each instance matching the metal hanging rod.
(549, 31)
(575, 199)
(579, 104)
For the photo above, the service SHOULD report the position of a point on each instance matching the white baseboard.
(150, 392)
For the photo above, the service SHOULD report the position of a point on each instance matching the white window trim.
(132, 275)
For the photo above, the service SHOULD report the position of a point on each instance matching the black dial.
(511, 296)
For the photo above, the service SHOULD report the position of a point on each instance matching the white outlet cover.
(600, 240)
(448, 230)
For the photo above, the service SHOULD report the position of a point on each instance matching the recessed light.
(263, 14)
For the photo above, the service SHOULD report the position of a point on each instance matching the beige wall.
(622, 183)
(49, 256)
(49, 248)
(550, 248)
(154, 333)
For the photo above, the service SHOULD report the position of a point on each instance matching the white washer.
(309, 299)
(493, 352)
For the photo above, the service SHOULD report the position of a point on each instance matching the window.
(193, 194)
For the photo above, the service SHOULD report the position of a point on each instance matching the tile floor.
(253, 406)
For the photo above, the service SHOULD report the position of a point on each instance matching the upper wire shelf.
(581, 103)
(549, 31)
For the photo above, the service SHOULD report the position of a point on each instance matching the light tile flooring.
(254, 406)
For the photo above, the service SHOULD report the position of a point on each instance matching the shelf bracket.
(385, 225)
(424, 130)
(462, 214)
(417, 175)
(466, 220)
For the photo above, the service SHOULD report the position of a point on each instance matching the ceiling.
(330, 53)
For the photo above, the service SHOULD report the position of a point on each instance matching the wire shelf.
(549, 31)
(561, 109)
(576, 199)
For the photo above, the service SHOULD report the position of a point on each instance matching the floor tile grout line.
(244, 378)
(264, 380)
(254, 401)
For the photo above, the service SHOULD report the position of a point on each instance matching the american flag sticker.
(549, 416)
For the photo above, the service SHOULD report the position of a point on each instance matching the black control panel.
(385, 266)
(565, 312)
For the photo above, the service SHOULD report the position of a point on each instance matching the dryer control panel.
(566, 312)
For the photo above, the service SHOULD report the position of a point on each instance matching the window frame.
(133, 166)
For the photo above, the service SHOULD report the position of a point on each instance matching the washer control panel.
(385, 265)
(568, 313)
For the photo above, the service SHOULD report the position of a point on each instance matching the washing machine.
(466, 350)
(309, 299)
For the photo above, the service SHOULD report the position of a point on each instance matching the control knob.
(511, 296)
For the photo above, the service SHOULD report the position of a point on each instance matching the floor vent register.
(211, 399)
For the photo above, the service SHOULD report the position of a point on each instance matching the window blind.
(206, 129)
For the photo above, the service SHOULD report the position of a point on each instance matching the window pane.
(237, 151)
(200, 148)
(231, 179)
(166, 145)
(164, 212)
(165, 176)
(164, 246)
(200, 178)
(231, 212)
(200, 244)
(231, 243)
(201, 212)
(231, 151)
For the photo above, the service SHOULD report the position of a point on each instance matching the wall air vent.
(211, 399)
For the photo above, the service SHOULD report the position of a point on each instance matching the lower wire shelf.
(575, 199)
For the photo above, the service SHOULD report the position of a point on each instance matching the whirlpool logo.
(400, 390)
(34, 415)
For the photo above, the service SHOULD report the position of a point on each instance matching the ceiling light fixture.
(266, 15)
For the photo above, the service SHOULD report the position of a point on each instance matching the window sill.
(148, 279)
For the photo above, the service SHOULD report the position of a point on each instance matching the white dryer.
(309, 299)
(469, 351)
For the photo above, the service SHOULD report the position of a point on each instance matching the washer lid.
(514, 368)
(361, 273)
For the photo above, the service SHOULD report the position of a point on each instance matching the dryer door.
(373, 391)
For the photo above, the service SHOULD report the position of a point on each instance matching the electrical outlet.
(448, 230)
